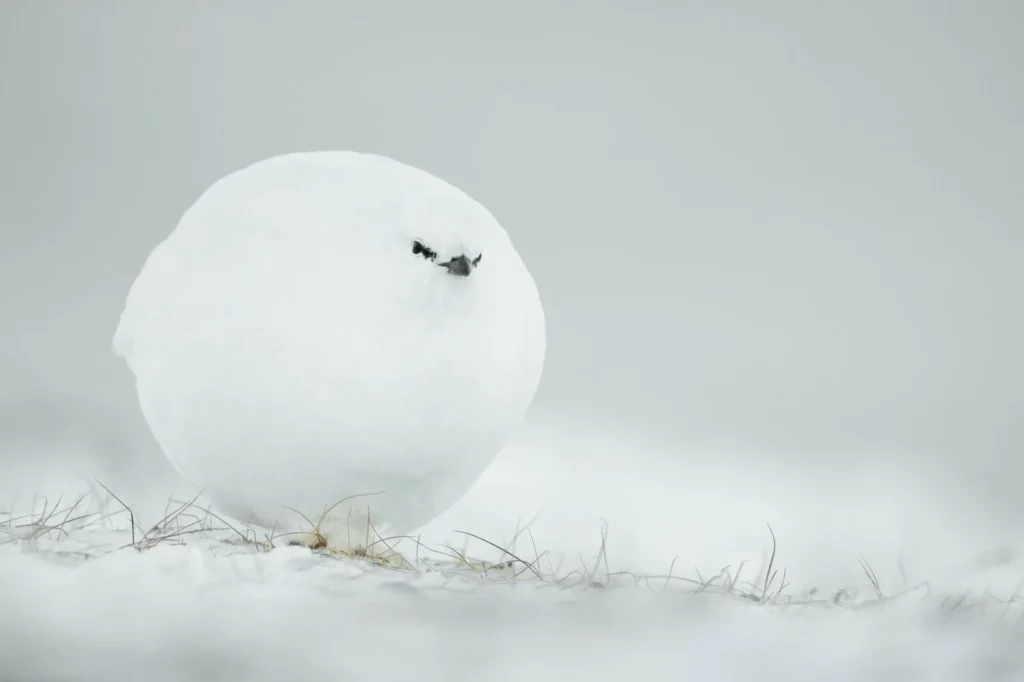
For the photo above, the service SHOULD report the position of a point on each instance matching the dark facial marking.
(420, 250)
(459, 266)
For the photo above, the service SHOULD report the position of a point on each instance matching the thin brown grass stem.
(502, 549)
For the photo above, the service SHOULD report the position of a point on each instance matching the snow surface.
(180, 613)
(198, 603)
(288, 318)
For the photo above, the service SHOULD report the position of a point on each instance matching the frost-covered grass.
(99, 525)
(93, 593)
(623, 567)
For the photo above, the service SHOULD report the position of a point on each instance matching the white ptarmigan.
(328, 324)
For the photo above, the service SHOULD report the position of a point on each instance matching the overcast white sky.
(792, 225)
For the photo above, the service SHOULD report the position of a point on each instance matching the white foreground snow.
(180, 613)
(195, 602)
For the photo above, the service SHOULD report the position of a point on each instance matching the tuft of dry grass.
(37, 525)
(49, 527)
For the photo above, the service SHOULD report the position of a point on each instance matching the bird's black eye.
(476, 261)
(420, 250)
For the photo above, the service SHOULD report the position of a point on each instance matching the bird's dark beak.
(459, 266)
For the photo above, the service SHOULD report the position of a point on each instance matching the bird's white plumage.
(291, 350)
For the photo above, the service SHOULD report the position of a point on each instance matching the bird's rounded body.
(307, 334)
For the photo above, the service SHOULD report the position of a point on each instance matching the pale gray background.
(790, 226)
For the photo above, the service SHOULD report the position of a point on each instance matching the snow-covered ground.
(676, 588)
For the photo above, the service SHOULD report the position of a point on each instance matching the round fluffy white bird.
(334, 324)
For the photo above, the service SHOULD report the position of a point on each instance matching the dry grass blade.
(602, 552)
(44, 518)
(244, 536)
(736, 578)
(384, 541)
(131, 515)
(768, 575)
(872, 578)
(1012, 600)
(320, 541)
(172, 516)
(343, 500)
(304, 517)
(60, 528)
(782, 587)
(668, 578)
(502, 549)
(520, 529)
(68, 519)
(458, 556)
(537, 555)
